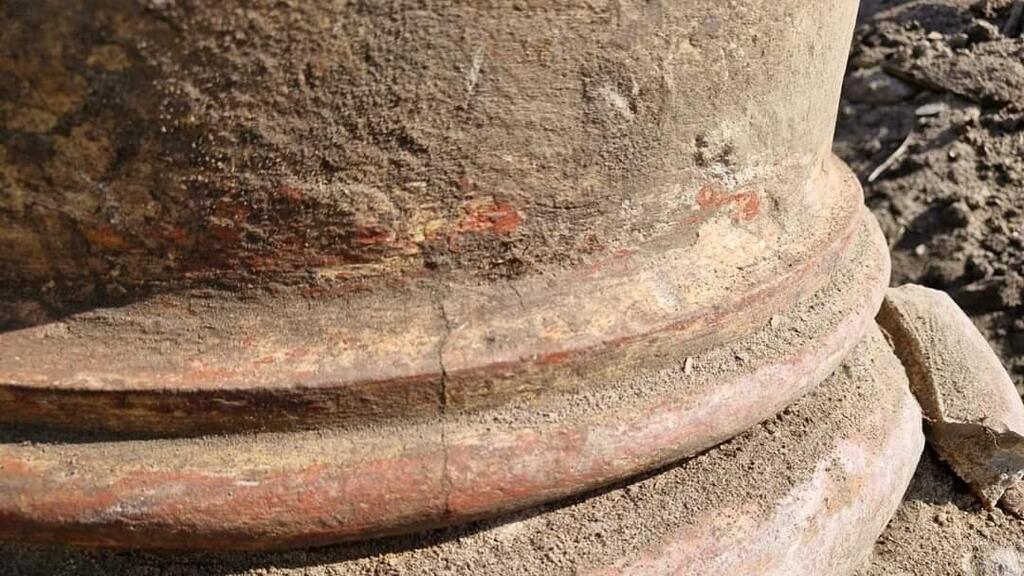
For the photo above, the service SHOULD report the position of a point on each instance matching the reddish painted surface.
(105, 238)
(616, 321)
(398, 480)
(746, 204)
(498, 216)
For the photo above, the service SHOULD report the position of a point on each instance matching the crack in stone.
(440, 354)
(446, 480)
(519, 295)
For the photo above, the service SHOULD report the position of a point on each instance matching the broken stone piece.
(1013, 500)
(975, 417)
(875, 86)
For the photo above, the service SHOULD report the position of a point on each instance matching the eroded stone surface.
(976, 419)
(803, 494)
(365, 477)
(150, 146)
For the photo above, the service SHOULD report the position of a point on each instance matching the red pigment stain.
(176, 235)
(15, 466)
(289, 193)
(225, 234)
(498, 217)
(746, 204)
(372, 236)
(556, 358)
(205, 374)
(617, 258)
(105, 237)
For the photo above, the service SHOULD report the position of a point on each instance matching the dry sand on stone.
(950, 75)
(755, 471)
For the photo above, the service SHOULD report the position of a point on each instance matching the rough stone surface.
(1013, 500)
(153, 145)
(803, 494)
(975, 417)
(364, 478)
(201, 362)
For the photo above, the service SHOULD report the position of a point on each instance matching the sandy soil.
(940, 530)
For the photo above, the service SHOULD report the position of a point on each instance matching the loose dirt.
(938, 86)
(941, 530)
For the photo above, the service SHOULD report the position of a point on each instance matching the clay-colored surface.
(187, 363)
(976, 418)
(150, 145)
(278, 490)
(804, 494)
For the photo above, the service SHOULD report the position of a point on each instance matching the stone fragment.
(1013, 500)
(959, 40)
(975, 417)
(931, 109)
(982, 31)
(874, 86)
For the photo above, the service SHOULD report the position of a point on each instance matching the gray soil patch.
(935, 92)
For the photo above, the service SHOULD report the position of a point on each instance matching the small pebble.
(959, 40)
(932, 109)
(688, 365)
(982, 31)
(875, 86)
(957, 214)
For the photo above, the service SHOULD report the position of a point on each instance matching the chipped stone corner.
(975, 419)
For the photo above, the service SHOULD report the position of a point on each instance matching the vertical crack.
(518, 294)
(446, 480)
(443, 395)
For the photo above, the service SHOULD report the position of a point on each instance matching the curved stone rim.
(185, 364)
(304, 488)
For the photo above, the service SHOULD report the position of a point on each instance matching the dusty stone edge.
(987, 454)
